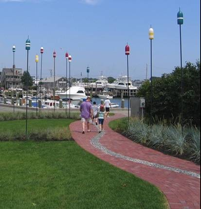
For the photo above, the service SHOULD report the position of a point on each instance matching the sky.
(95, 33)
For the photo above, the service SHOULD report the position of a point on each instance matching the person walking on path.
(86, 114)
(101, 118)
(107, 104)
(95, 113)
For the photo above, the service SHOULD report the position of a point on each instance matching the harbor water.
(114, 100)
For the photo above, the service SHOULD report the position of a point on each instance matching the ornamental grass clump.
(192, 144)
(55, 134)
(166, 138)
(139, 131)
(175, 139)
(157, 136)
(33, 115)
(12, 136)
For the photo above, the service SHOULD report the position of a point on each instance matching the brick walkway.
(182, 190)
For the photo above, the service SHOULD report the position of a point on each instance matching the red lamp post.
(69, 60)
(54, 56)
(127, 53)
(66, 56)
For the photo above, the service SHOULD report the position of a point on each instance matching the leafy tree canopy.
(27, 80)
(167, 94)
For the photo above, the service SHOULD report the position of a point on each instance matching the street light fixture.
(69, 60)
(54, 56)
(36, 60)
(180, 21)
(127, 53)
(27, 47)
(66, 56)
(13, 48)
(151, 37)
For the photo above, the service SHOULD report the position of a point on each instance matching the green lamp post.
(180, 22)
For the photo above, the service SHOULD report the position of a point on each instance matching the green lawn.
(60, 175)
(39, 124)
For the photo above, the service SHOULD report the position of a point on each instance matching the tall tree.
(111, 79)
(27, 80)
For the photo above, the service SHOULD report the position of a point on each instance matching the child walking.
(101, 117)
(95, 113)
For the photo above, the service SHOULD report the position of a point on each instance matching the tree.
(111, 79)
(27, 80)
(167, 94)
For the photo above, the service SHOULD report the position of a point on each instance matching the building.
(11, 78)
(0, 79)
(48, 83)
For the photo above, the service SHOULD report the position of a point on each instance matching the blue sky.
(95, 33)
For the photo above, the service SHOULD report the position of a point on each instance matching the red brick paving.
(182, 191)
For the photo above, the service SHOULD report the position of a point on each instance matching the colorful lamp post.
(69, 60)
(66, 56)
(180, 21)
(127, 53)
(36, 60)
(41, 71)
(27, 47)
(151, 37)
(13, 48)
(54, 57)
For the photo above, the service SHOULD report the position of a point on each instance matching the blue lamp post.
(180, 21)
(27, 47)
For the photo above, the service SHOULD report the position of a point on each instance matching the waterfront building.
(48, 83)
(11, 78)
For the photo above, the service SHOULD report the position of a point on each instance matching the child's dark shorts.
(101, 121)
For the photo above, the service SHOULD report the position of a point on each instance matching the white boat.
(74, 93)
(105, 95)
(101, 83)
(122, 85)
(49, 104)
(113, 105)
